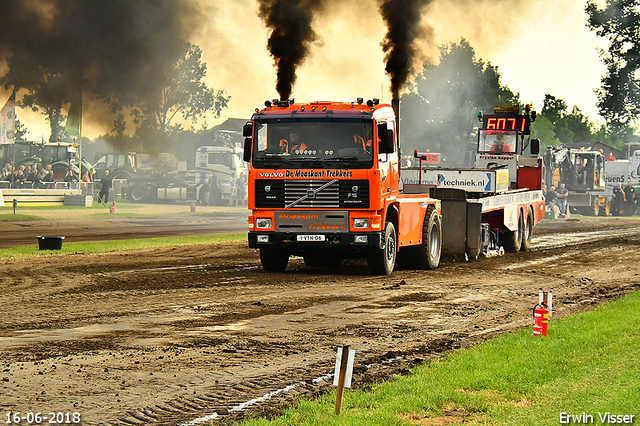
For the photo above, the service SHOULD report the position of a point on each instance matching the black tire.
(513, 241)
(137, 193)
(274, 260)
(605, 209)
(382, 261)
(204, 195)
(427, 255)
(527, 237)
(593, 209)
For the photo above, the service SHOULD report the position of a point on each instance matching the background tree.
(440, 111)
(20, 130)
(185, 95)
(47, 91)
(619, 95)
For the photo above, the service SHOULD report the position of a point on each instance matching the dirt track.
(167, 336)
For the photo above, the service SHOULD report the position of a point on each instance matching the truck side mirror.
(247, 150)
(385, 135)
(247, 130)
(387, 146)
(535, 146)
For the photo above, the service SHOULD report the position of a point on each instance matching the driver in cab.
(500, 146)
(293, 144)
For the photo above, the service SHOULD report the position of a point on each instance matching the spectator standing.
(563, 195)
(233, 198)
(241, 184)
(105, 185)
(618, 200)
(629, 199)
(551, 198)
(610, 157)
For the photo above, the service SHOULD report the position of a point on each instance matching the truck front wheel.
(274, 260)
(382, 261)
(136, 193)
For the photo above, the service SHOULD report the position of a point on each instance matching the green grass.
(588, 363)
(117, 245)
(17, 217)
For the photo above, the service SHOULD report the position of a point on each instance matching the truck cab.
(217, 168)
(504, 141)
(324, 185)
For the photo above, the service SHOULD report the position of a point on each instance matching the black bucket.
(50, 243)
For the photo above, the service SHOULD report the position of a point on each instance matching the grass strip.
(117, 245)
(17, 217)
(587, 366)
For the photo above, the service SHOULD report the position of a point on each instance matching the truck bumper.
(291, 242)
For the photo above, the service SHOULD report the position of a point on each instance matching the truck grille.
(341, 194)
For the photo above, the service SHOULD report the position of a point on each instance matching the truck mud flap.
(461, 223)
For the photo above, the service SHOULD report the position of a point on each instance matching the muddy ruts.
(291, 35)
(403, 21)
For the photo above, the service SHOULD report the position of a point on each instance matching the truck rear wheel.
(527, 237)
(382, 261)
(513, 241)
(274, 260)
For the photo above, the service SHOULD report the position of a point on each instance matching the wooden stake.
(341, 377)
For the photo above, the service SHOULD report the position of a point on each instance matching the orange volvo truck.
(325, 184)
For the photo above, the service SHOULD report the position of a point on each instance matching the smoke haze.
(110, 47)
(346, 59)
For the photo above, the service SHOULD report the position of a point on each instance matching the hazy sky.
(539, 46)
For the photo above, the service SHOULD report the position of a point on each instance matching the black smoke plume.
(404, 29)
(118, 49)
(291, 36)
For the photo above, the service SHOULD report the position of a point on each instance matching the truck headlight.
(263, 223)
(361, 223)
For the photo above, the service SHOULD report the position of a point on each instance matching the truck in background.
(217, 169)
(164, 178)
(583, 173)
(325, 183)
(623, 171)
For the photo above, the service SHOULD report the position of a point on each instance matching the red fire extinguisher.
(540, 319)
(112, 208)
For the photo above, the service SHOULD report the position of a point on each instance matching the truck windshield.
(223, 158)
(498, 142)
(313, 143)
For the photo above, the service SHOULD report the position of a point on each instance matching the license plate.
(310, 237)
